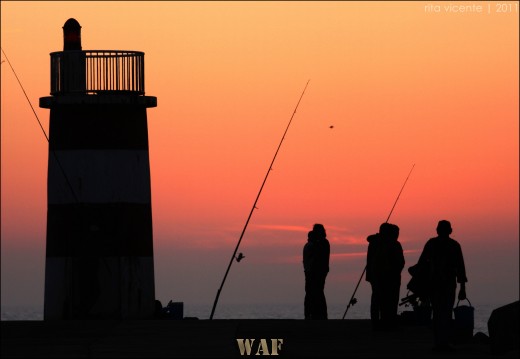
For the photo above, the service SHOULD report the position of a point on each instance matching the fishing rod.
(353, 300)
(43, 130)
(399, 195)
(239, 258)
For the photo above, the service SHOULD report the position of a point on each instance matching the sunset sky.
(400, 83)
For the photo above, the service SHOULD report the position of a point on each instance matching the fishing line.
(43, 130)
(233, 257)
(27, 97)
(352, 299)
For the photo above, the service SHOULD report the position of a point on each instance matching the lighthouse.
(99, 249)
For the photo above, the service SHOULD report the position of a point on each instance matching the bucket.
(464, 321)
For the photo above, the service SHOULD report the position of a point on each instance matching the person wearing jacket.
(442, 257)
(316, 255)
(385, 261)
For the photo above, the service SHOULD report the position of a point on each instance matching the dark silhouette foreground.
(443, 262)
(385, 261)
(316, 254)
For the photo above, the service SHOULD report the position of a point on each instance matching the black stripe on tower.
(99, 230)
(100, 126)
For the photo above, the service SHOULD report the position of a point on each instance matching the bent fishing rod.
(233, 257)
(353, 300)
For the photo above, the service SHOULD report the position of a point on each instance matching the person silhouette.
(316, 255)
(322, 268)
(443, 258)
(385, 261)
(309, 259)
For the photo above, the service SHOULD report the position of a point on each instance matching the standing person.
(322, 269)
(309, 267)
(316, 253)
(442, 256)
(385, 261)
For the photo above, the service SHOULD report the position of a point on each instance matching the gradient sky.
(400, 84)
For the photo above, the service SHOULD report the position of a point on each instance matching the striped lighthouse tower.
(99, 255)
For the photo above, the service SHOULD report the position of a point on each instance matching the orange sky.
(400, 85)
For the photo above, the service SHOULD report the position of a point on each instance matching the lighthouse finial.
(71, 35)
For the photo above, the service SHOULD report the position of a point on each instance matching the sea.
(482, 312)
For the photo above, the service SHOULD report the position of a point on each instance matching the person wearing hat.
(442, 256)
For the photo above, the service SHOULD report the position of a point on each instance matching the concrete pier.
(218, 338)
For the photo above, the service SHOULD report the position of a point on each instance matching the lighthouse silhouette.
(99, 254)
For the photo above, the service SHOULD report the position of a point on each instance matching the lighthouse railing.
(97, 71)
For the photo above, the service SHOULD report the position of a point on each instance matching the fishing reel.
(409, 300)
(353, 301)
(415, 300)
(239, 257)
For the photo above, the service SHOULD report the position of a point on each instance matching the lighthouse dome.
(71, 24)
